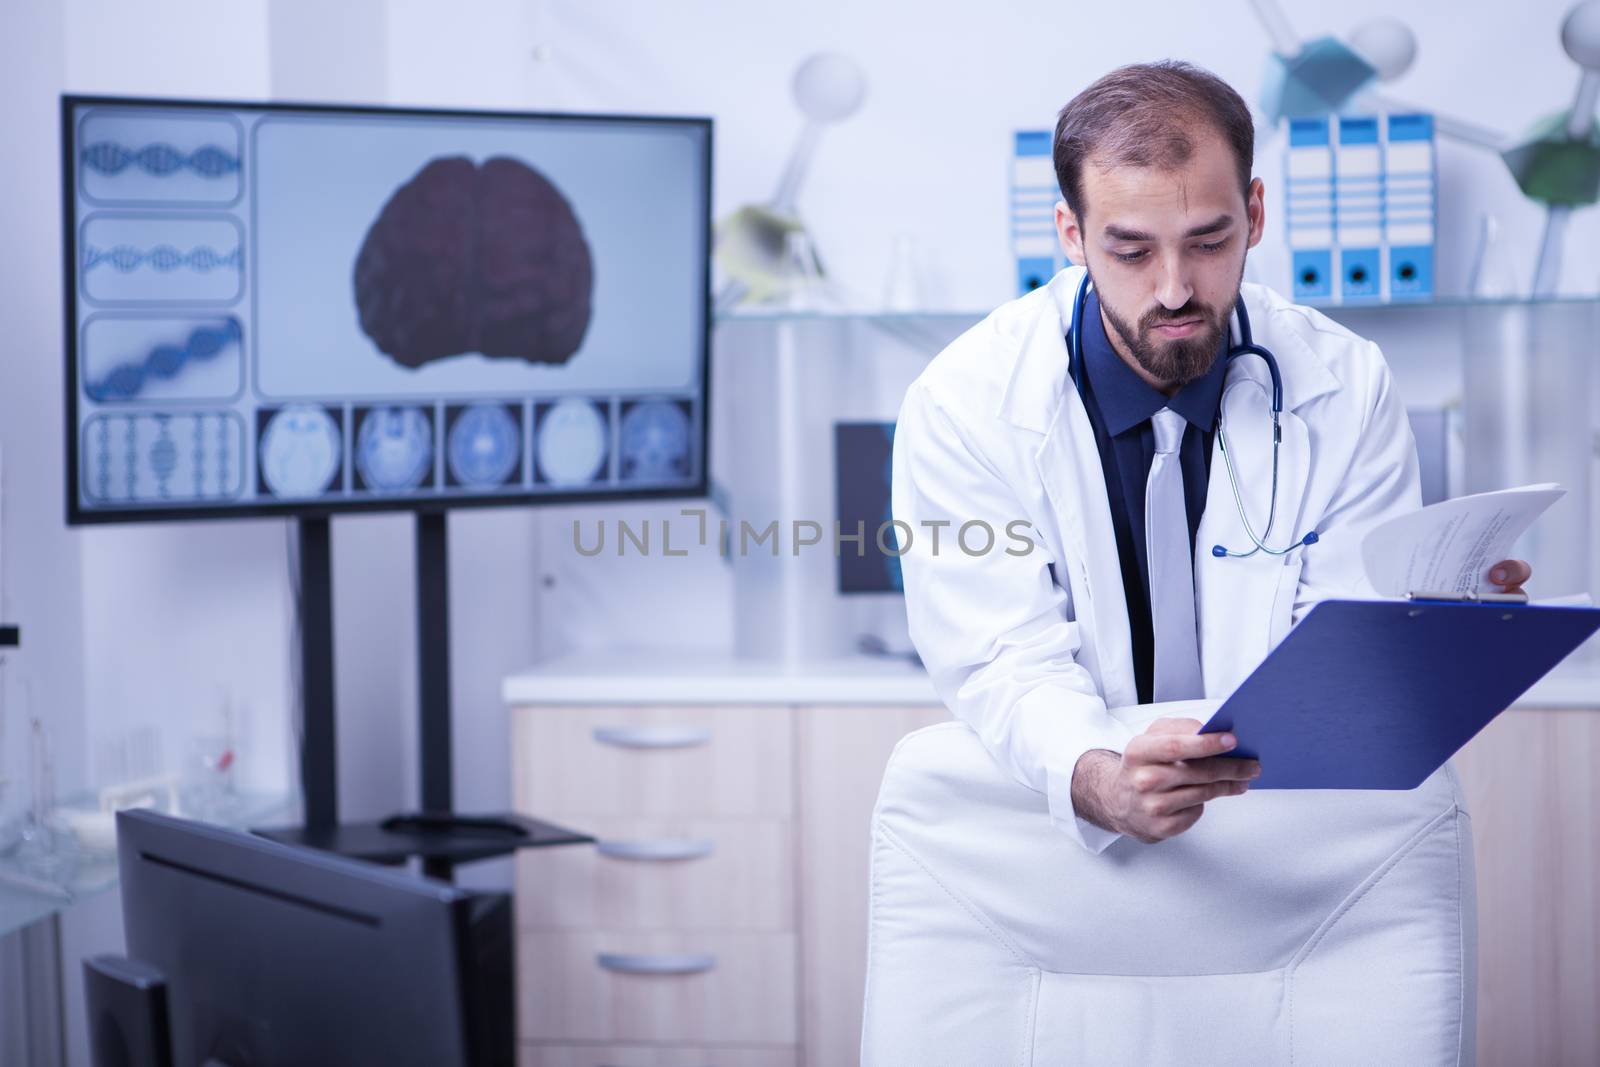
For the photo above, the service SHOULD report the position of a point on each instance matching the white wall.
(40, 574)
(947, 87)
(141, 625)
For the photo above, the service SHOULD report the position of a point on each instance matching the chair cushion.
(1262, 934)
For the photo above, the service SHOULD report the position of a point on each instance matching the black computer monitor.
(281, 955)
(863, 454)
(293, 309)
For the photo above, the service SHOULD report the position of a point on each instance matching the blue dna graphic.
(165, 362)
(142, 457)
(163, 455)
(164, 258)
(159, 160)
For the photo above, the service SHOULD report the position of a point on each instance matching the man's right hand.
(1159, 786)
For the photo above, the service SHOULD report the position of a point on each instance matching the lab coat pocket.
(1283, 601)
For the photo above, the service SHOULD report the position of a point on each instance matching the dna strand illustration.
(159, 160)
(142, 457)
(164, 258)
(165, 362)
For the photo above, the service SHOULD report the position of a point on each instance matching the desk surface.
(707, 676)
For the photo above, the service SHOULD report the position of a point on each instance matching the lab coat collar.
(1040, 376)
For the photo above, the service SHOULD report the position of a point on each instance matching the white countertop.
(697, 676)
(669, 676)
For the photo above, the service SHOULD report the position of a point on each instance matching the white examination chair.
(1285, 927)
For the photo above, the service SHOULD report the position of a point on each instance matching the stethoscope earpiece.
(1246, 346)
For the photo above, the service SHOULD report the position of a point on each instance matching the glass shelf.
(1561, 300)
(943, 315)
(31, 890)
(763, 314)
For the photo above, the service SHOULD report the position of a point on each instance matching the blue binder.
(1378, 694)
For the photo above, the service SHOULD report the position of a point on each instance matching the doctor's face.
(1166, 251)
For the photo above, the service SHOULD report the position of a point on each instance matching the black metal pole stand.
(319, 752)
(433, 672)
(441, 838)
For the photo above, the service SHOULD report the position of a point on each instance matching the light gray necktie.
(1166, 539)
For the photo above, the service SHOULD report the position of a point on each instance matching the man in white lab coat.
(1114, 467)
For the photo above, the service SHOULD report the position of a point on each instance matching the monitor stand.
(436, 834)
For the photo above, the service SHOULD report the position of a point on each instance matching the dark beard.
(1178, 361)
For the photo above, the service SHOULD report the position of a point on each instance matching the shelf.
(763, 314)
(1448, 302)
(955, 316)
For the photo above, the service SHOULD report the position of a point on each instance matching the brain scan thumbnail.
(572, 444)
(394, 448)
(655, 442)
(467, 258)
(300, 450)
(484, 446)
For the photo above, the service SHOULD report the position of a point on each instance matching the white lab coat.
(1031, 649)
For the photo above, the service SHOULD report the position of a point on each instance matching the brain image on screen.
(484, 445)
(466, 258)
(655, 442)
(300, 450)
(394, 448)
(571, 446)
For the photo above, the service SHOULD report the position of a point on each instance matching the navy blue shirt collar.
(1125, 399)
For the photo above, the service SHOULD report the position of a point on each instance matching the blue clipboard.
(1378, 694)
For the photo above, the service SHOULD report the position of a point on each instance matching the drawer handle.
(629, 963)
(653, 736)
(656, 850)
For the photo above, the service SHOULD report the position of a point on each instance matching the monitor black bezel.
(81, 516)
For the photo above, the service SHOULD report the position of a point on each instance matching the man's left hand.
(1509, 574)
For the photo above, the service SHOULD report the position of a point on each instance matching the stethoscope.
(1246, 346)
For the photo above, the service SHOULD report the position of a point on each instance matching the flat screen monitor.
(296, 309)
(863, 459)
(277, 956)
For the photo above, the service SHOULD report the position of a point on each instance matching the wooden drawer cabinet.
(663, 874)
(655, 1056)
(704, 987)
(722, 919)
(654, 761)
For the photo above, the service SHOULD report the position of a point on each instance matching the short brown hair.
(1143, 115)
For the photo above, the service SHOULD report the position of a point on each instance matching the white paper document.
(1449, 546)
